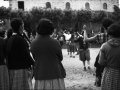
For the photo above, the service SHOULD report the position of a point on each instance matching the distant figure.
(72, 45)
(61, 38)
(84, 27)
(8, 35)
(49, 72)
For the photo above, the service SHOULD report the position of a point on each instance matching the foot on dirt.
(84, 68)
(89, 68)
(73, 56)
(70, 55)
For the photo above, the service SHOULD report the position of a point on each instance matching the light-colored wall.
(75, 4)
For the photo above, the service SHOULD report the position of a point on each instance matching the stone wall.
(74, 4)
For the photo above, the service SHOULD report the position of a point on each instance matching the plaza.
(76, 78)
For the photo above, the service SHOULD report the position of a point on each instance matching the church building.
(94, 5)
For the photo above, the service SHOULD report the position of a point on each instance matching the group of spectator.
(21, 60)
(75, 44)
(107, 61)
(66, 38)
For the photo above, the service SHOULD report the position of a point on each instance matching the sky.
(6, 3)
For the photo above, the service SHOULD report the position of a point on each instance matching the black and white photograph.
(59, 44)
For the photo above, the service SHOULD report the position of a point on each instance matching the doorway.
(21, 5)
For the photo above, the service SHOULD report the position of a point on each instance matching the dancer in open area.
(49, 72)
(84, 52)
(76, 44)
(18, 57)
(72, 45)
(4, 76)
(102, 37)
(110, 58)
(61, 38)
(54, 35)
(67, 35)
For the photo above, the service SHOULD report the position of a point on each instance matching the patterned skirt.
(4, 78)
(110, 79)
(55, 84)
(20, 80)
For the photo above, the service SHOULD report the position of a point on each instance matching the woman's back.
(47, 54)
(43, 46)
(112, 53)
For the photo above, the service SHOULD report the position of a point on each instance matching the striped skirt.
(20, 80)
(4, 78)
(55, 84)
(110, 79)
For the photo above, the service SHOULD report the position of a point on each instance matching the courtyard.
(77, 78)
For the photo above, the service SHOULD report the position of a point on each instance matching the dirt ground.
(76, 78)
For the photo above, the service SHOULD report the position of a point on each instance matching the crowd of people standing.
(75, 44)
(21, 59)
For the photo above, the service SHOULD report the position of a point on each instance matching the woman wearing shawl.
(110, 58)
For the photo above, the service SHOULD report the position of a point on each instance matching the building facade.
(94, 5)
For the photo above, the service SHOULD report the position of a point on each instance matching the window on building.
(48, 5)
(105, 6)
(67, 5)
(87, 6)
(21, 5)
